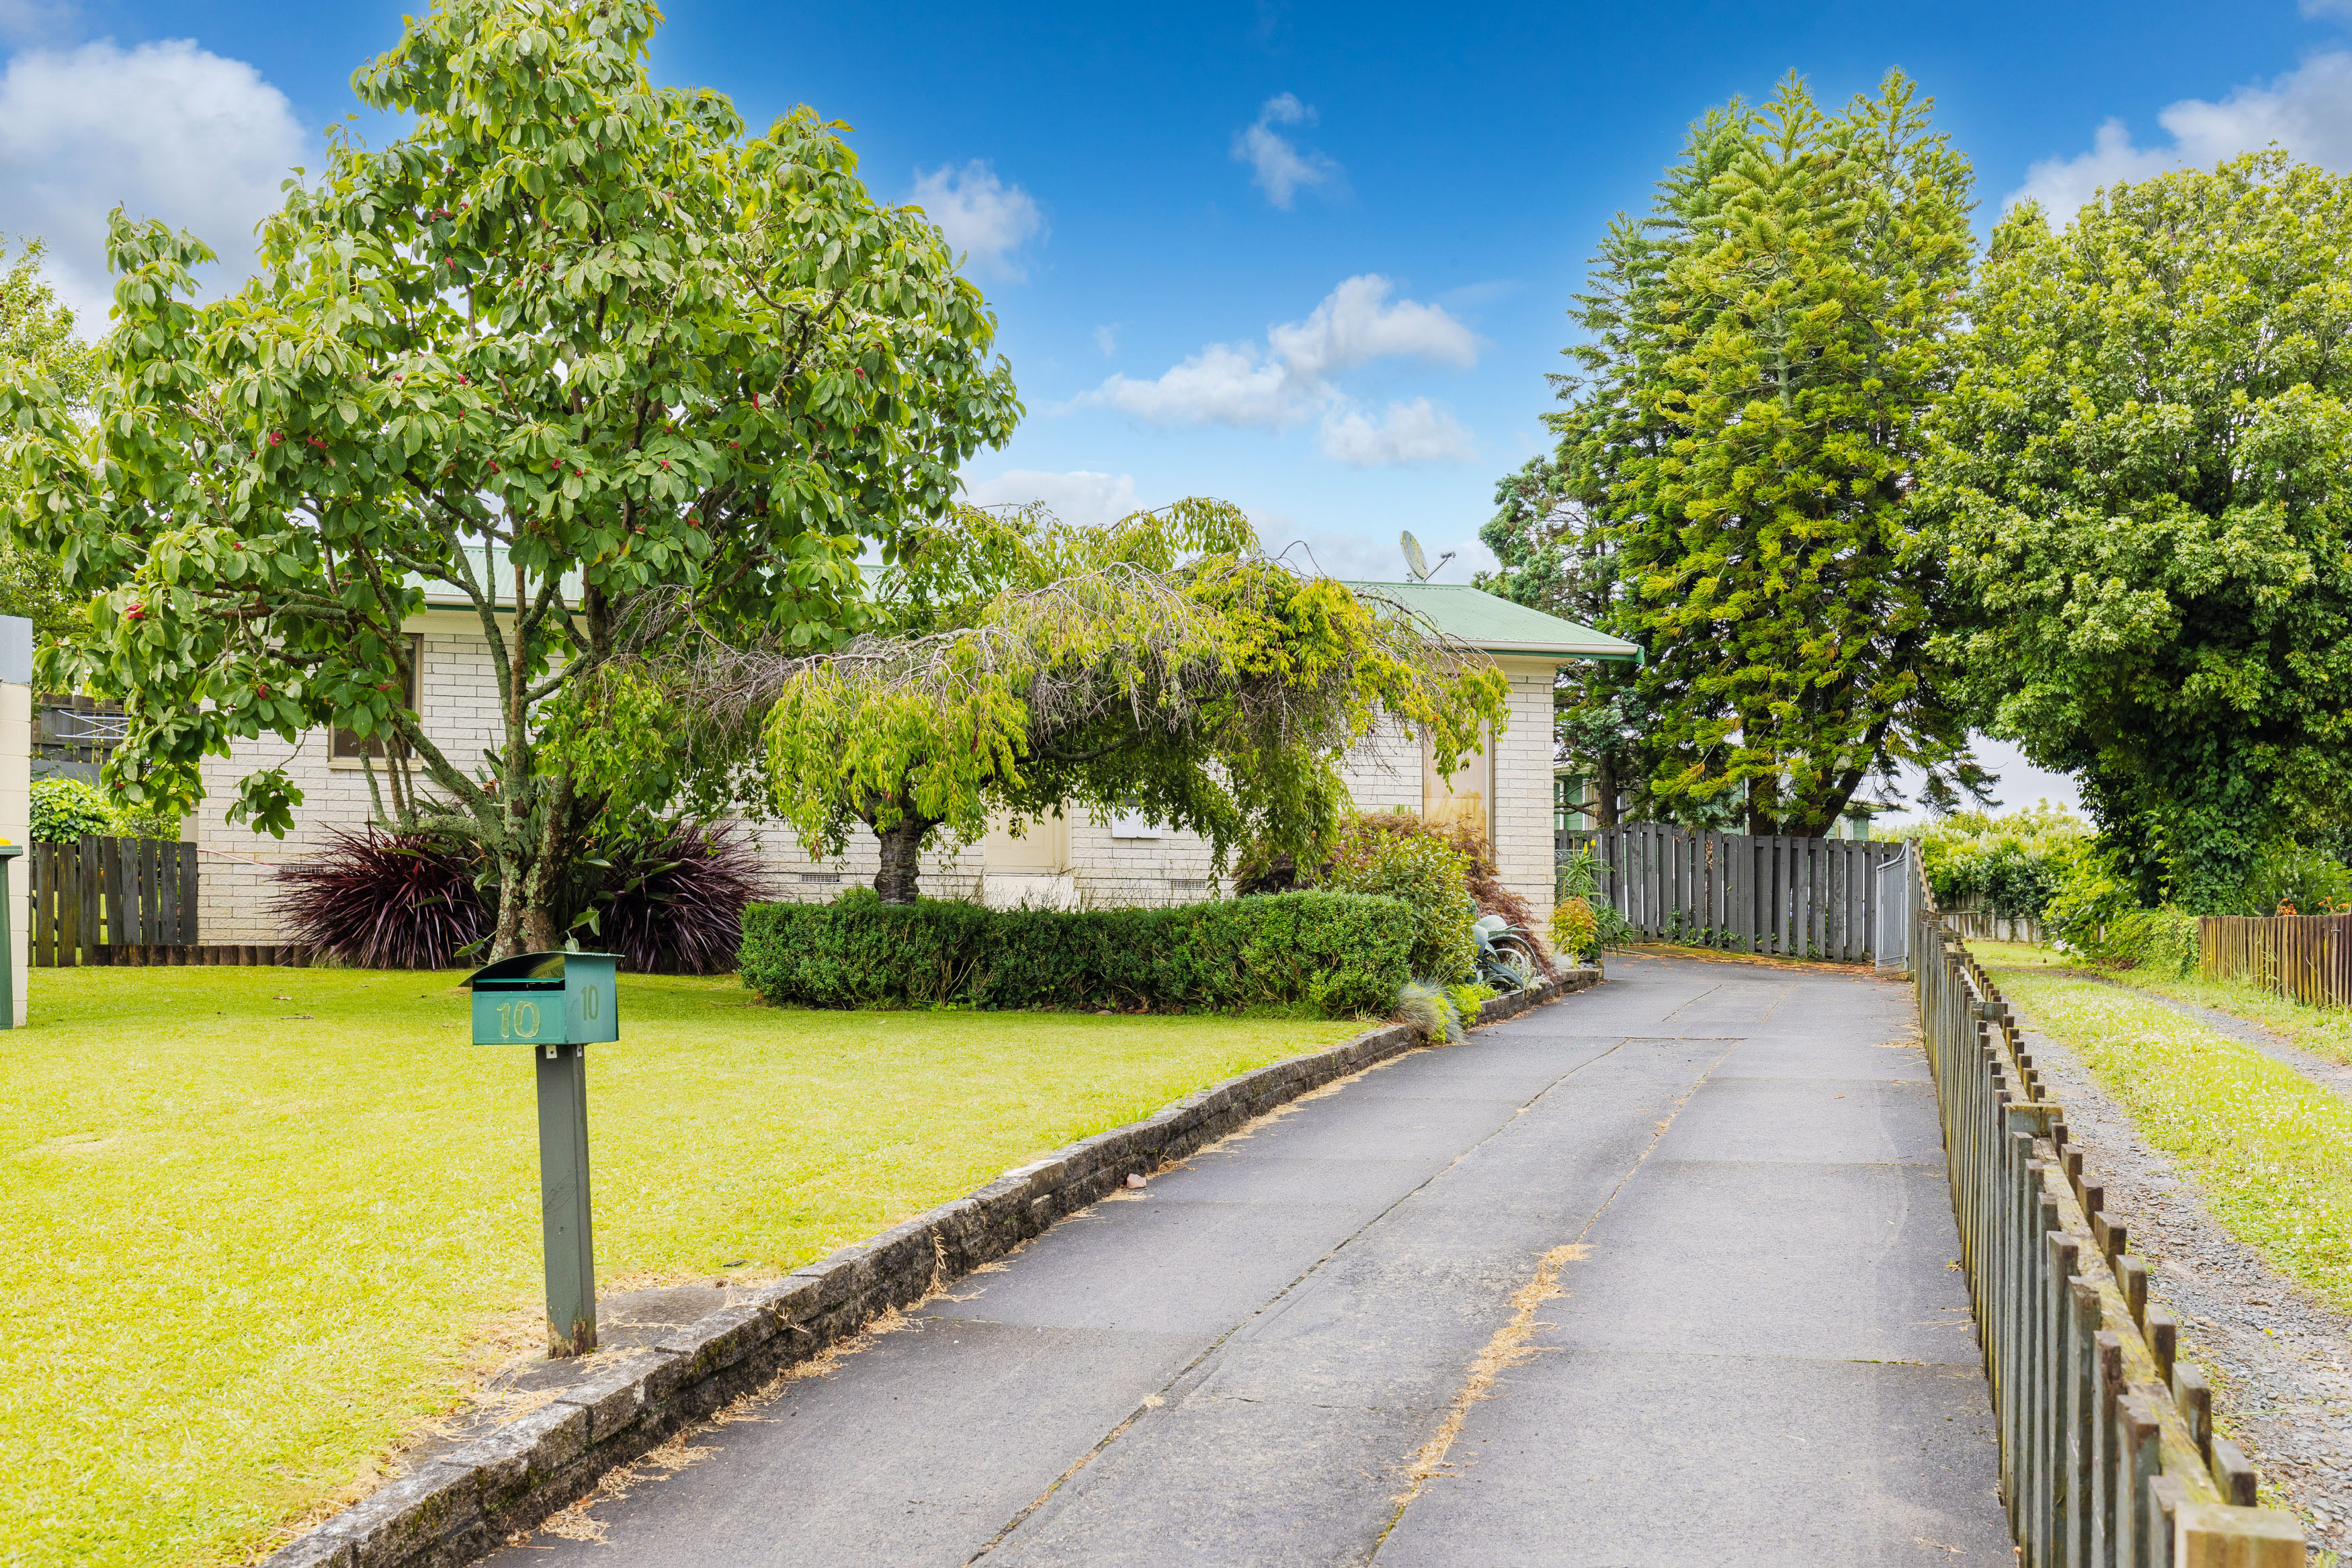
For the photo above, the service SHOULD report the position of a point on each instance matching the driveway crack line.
(1508, 1345)
(1159, 1397)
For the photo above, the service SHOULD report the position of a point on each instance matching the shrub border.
(464, 1503)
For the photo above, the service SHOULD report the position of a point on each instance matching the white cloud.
(1291, 381)
(1280, 169)
(2308, 112)
(1106, 338)
(1409, 433)
(982, 216)
(167, 129)
(1081, 496)
(1224, 384)
(2326, 8)
(1355, 324)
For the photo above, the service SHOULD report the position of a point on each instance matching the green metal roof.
(1471, 615)
(1496, 626)
(489, 562)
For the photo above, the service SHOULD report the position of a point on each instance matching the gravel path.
(2277, 1354)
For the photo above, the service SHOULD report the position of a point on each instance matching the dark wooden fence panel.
(1797, 897)
(2305, 956)
(101, 901)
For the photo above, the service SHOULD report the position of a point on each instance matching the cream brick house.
(1507, 791)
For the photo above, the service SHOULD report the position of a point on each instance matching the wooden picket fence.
(2305, 956)
(1977, 923)
(102, 901)
(1810, 898)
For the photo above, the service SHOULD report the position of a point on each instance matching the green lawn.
(256, 1222)
(2323, 1031)
(2270, 1149)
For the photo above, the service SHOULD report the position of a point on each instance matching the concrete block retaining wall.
(465, 1502)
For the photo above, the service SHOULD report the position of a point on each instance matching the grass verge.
(260, 1221)
(2270, 1149)
(2323, 1031)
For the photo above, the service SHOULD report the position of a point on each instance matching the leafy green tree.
(574, 346)
(1159, 665)
(36, 338)
(2140, 479)
(1760, 351)
(1555, 556)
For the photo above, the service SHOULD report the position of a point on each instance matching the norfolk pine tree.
(1761, 351)
(575, 345)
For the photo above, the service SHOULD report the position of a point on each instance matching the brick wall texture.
(1103, 864)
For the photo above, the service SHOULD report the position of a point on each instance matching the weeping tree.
(573, 345)
(1158, 664)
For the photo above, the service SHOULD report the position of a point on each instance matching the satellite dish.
(1415, 562)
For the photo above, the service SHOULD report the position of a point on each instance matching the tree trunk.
(901, 846)
(506, 937)
(1605, 790)
(539, 932)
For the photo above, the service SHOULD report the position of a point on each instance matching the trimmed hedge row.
(1345, 953)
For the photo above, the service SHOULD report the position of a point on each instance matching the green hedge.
(1344, 953)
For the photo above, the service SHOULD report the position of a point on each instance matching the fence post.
(2305, 956)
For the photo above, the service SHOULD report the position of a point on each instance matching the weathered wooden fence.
(2108, 1457)
(1813, 898)
(1978, 923)
(96, 898)
(2306, 957)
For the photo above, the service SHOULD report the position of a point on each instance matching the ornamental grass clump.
(378, 900)
(672, 904)
(1431, 1010)
(668, 899)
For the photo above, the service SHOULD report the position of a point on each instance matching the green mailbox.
(557, 1003)
(546, 999)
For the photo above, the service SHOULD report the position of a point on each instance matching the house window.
(348, 748)
(1570, 812)
(1127, 823)
(1460, 799)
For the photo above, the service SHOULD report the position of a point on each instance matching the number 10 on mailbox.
(555, 1003)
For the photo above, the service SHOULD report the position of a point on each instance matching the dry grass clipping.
(1760, 960)
(683, 1450)
(1508, 1347)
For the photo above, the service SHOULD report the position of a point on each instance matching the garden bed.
(264, 1221)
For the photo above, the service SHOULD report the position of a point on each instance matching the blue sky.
(1313, 259)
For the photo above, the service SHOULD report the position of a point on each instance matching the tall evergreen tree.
(1554, 557)
(1760, 350)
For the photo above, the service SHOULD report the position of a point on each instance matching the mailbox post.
(8, 852)
(555, 1004)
